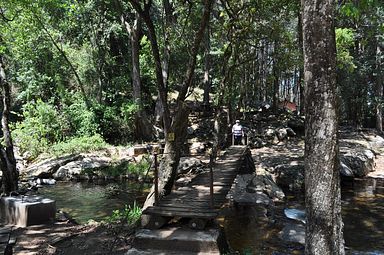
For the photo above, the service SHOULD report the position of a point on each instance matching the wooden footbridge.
(201, 199)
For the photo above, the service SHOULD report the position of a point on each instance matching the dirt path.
(68, 239)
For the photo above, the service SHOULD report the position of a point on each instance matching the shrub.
(83, 121)
(79, 144)
(139, 168)
(42, 126)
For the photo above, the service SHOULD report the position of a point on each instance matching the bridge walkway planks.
(194, 199)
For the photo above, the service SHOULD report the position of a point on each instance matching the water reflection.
(84, 201)
(363, 217)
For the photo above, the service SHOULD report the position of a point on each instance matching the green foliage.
(83, 121)
(42, 126)
(344, 42)
(128, 112)
(78, 144)
(130, 215)
(116, 123)
(46, 129)
(140, 168)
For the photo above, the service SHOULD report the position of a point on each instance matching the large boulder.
(265, 184)
(46, 168)
(251, 189)
(78, 166)
(186, 164)
(188, 169)
(360, 162)
(74, 169)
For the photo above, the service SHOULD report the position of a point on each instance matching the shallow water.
(84, 201)
(363, 217)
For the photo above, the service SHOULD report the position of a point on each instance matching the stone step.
(166, 252)
(180, 241)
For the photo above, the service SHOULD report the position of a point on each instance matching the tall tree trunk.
(379, 90)
(276, 76)
(167, 24)
(7, 157)
(322, 184)
(301, 68)
(207, 66)
(143, 129)
(220, 129)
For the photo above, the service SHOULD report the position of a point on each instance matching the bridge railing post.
(156, 181)
(211, 181)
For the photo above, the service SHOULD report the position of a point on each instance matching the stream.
(246, 231)
(85, 201)
(363, 218)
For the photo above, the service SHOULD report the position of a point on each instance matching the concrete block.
(141, 149)
(31, 210)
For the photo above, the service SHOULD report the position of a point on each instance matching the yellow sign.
(171, 137)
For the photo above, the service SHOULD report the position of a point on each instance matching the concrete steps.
(179, 241)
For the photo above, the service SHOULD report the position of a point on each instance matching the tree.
(174, 126)
(7, 157)
(322, 184)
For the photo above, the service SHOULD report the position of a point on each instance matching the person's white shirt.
(237, 129)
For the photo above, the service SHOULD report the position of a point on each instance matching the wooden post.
(211, 181)
(156, 182)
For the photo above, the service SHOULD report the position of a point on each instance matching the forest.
(85, 69)
(80, 75)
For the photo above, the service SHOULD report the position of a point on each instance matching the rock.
(74, 169)
(345, 170)
(251, 198)
(188, 169)
(269, 132)
(297, 125)
(48, 167)
(375, 142)
(290, 132)
(45, 181)
(295, 214)
(80, 166)
(265, 183)
(249, 189)
(281, 133)
(187, 164)
(360, 162)
(290, 177)
(293, 233)
(197, 148)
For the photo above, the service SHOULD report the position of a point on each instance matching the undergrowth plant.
(129, 215)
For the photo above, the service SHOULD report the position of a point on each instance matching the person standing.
(237, 133)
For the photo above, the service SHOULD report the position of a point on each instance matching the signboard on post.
(171, 137)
